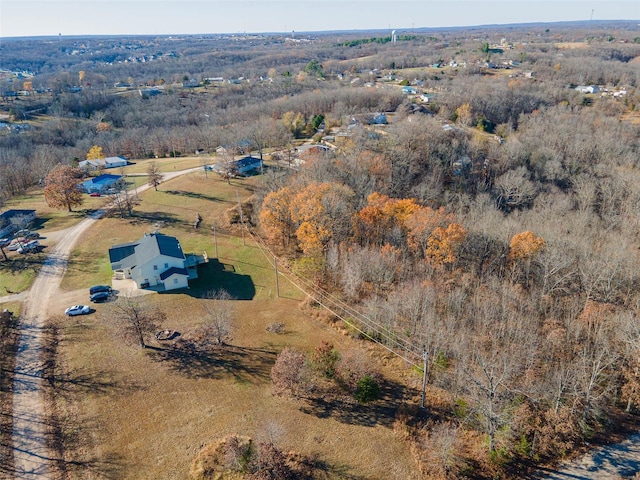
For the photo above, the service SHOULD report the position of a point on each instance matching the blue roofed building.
(100, 184)
(238, 167)
(155, 260)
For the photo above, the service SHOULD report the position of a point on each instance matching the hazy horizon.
(28, 18)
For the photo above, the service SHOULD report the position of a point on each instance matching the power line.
(353, 318)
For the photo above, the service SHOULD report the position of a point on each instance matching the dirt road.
(31, 455)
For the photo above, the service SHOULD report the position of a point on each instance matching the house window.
(175, 280)
(155, 267)
(166, 265)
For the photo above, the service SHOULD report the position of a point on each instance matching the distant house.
(100, 184)
(409, 90)
(156, 260)
(13, 220)
(240, 167)
(109, 162)
(379, 119)
(588, 88)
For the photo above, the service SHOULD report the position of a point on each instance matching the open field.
(166, 164)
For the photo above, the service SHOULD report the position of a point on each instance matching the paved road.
(32, 457)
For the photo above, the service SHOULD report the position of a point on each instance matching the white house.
(156, 260)
(588, 88)
(109, 162)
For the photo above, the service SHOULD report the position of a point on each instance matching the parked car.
(78, 310)
(99, 288)
(100, 297)
(4, 242)
(31, 246)
(94, 194)
(14, 245)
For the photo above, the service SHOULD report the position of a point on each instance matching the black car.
(99, 288)
(100, 297)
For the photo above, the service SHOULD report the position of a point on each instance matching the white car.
(14, 245)
(31, 246)
(78, 310)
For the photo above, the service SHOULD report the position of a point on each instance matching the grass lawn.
(127, 412)
(166, 164)
(18, 273)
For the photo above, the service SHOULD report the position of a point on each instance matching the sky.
(20, 18)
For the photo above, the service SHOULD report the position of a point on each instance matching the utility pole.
(275, 266)
(425, 357)
(215, 239)
(241, 216)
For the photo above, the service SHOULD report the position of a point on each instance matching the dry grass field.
(127, 412)
(145, 413)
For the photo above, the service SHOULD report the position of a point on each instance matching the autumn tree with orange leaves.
(375, 222)
(522, 250)
(275, 216)
(443, 244)
(422, 222)
(61, 188)
(312, 214)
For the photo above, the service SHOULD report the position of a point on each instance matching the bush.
(290, 374)
(367, 390)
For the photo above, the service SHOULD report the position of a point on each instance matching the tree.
(136, 320)
(95, 153)
(314, 68)
(219, 313)
(275, 216)
(121, 198)
(443, 244)
(61, 188)
(154, 176)
(367, 390)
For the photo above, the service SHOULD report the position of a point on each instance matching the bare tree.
(218, 316)
(121, 199)
(155, 177)
(137, 320)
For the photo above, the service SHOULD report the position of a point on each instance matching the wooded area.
(492, 224)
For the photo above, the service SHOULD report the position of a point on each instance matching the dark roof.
(144, 250)
(179, 271)
(15, 213)
(247, 161)
(118, 252)
(169, 246)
